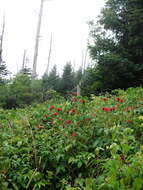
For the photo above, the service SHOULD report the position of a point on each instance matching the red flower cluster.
(55, 113)
(51, 108)
(87, 119)
(106, 109)
(82, 101)
(119, 100)
(60, 119)
(78, 122)
(68, 121)
(73, 134)
(72, 111)
(58, 109)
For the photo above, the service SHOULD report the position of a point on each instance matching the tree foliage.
(50, 82)
(116, 45)
(23, 90)
(67, 80)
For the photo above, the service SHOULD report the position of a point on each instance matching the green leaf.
(137, 185)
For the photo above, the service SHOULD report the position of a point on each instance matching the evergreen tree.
(51, 81)
(19, 92)
(117, 45)
(26, 71)
(3, 71)
(77, 76)
(67, 81)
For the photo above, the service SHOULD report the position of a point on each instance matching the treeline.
(116, 48)
(23, 90)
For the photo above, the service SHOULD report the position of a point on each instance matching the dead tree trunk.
(1, 39)
(34, 72)
(24, 60)
(49, 57)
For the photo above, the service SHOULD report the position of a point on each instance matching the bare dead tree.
(82, 61)
(85, 60)
(37, 40)
(24, 60)
(49, 56)
(1, 39)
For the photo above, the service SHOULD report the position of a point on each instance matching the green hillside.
(74, 145)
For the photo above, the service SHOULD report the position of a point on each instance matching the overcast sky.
(66, 20)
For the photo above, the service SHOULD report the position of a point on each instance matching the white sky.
(66, 20)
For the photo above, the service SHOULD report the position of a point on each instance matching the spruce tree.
(117, 45)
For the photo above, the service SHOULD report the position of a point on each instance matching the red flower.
(68, 121)
(58, 109)
(73, 134)
(72, 111)
(112, 109)
(119, 100)
(55, 113)
(106, 109)
(51, 108)
(105, 99)
(82, 101)
(60, 119)
(87, 119)
(78, 122)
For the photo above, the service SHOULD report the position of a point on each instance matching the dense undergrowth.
(74, 145)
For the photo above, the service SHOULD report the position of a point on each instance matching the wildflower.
(87, 119)
(68, 121)
(60, 119)
(82, 101)
(106, 109)
(112, 109)
(78, 122)
(55, 113)
(119, 100)
(73, 134)
(105, 99)
(58, 109)
(51, 108)
(72, 111)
